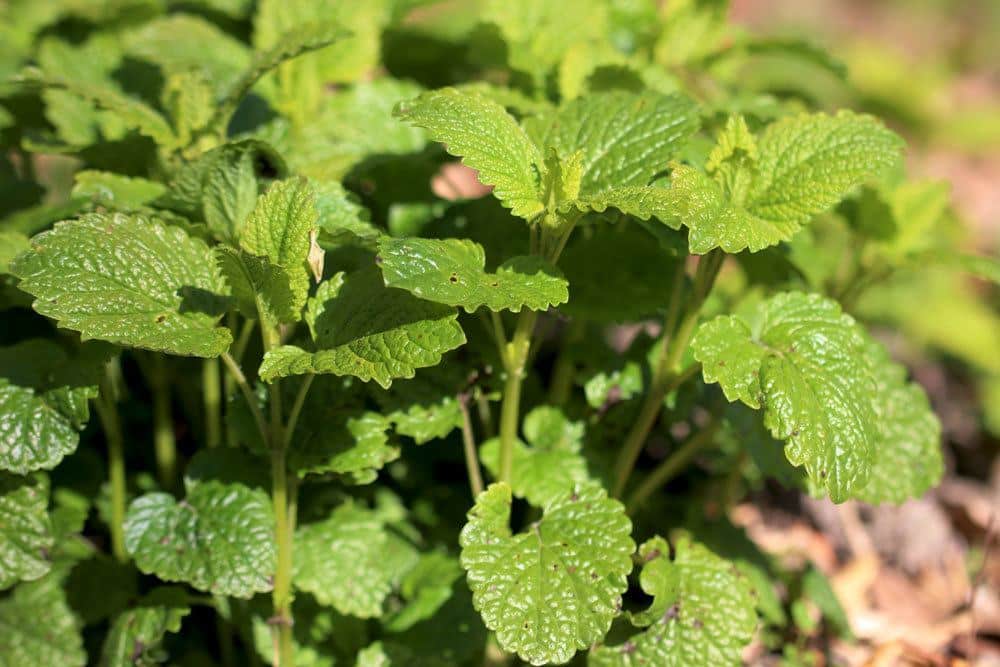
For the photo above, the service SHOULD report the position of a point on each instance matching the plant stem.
(667, 470)
(107, 412)
(284, 496)
(469, 447)
(281, 623)
(562, 374)
(212, 399)
(164, 441)
(293, 416)
(514, 358)
(665, 372)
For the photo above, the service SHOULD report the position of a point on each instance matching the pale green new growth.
(451, 271)
(702, 614)
(372, 332)
(555, 588)
(279, 230)
(759, 191)
(487, 138)
(550, 465)
(130, 280)
(25, 529)
(801, 360)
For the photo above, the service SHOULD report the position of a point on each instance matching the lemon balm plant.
(343, 420)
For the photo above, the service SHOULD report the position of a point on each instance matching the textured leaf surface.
(44, 395)
(802, 360)
(908, 458)
(625, 138)
(554, 589)
(425, 588)
(220, 538)
(25, 529)
(487, 138)
(759, 191)
(279, 229)
(371, 332)
(37, 627)
(345, 561)
(452, 272)
(259, 287)
(136, 636)
(550, 465)
(702, 614)
(129, 280)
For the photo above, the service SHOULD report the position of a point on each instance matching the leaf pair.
(607, 147)
(758, 191)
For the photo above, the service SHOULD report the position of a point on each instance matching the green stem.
(107, 412)
(284, 496)
(212, 397)
(515, 356)
(667, 470)
(281, 623)
(293, 416)
(164, 441)
(469, 448)
(665, 374)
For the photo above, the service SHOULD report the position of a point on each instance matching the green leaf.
(487, 138)
(575, 559)
(259, 286)
(551, 465)
(38, 627)
(116, 191)
(354, 124)
(425, 588)
(371, 332)
(425, 407)
(25, 531)
(803, 361)
(625, 139)
(219, 539)
(636, 289)
(331, 439)
(280, 228)
(131, 112)
(452, 272)
(908, 459)
(12, 244)
(759, 191)
(641, 202)
(346, 561)
(44, 395)
(702, 614)
(135, 637)
(127, 279)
